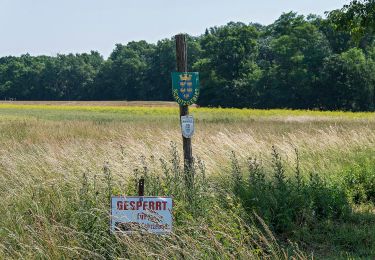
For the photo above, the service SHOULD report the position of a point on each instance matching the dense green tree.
(124, 76)
(19, 76)
(358, 18)
(295, 62)
(296, 52)
(76, 74)
(68, 77)
(339, 40)
(228, 53)
(348, 82)
(163, 62)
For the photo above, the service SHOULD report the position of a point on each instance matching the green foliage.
(297, 59)
(288, 203)
(228, 54)
(296, 62)
(358, 18)
(351, 80)
(360, 182)
(68, 218)
(65, 77)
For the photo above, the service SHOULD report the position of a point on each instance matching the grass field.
(60, 161)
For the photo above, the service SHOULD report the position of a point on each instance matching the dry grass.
(37, 145)
(321, 144)
(46, 146)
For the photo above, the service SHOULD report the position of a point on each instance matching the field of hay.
(52, 181)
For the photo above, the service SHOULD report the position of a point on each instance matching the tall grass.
(58, 167)
(68, 217)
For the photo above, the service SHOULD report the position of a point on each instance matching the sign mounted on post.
(187, 126)
(151, 214)
(185, 87)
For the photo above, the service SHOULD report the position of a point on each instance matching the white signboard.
(152, 214)
(187, 126)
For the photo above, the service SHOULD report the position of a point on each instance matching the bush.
(359, 181)
(287, 203)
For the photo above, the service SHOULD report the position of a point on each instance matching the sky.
(48, 27)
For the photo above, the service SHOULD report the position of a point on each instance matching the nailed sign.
(187, 126)
(152, 214)
(185, 87)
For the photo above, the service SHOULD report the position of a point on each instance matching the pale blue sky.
(62, 26)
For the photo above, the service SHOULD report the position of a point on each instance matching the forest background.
(298, 62)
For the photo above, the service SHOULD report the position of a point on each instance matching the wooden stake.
(181, 56)
(141, 187)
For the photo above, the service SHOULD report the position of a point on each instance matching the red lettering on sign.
(139, 204)
(132, 205)
(145, 205)
(151, 205)
(158, 205)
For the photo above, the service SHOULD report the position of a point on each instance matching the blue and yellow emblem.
(185, 87)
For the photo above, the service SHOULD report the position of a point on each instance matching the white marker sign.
(187, 126)
(152, 214)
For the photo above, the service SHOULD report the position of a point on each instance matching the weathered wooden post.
(185, 90)
(141, 187)
(181, 57)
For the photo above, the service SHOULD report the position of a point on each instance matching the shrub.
(359, 181)
(286, 203)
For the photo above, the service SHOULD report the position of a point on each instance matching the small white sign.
(151, 214)
(187, 126)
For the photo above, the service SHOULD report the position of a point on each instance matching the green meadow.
(276, 184)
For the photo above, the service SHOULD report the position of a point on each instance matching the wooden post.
(141, 187)
(181, 56)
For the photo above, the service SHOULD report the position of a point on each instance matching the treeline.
(296, 62)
